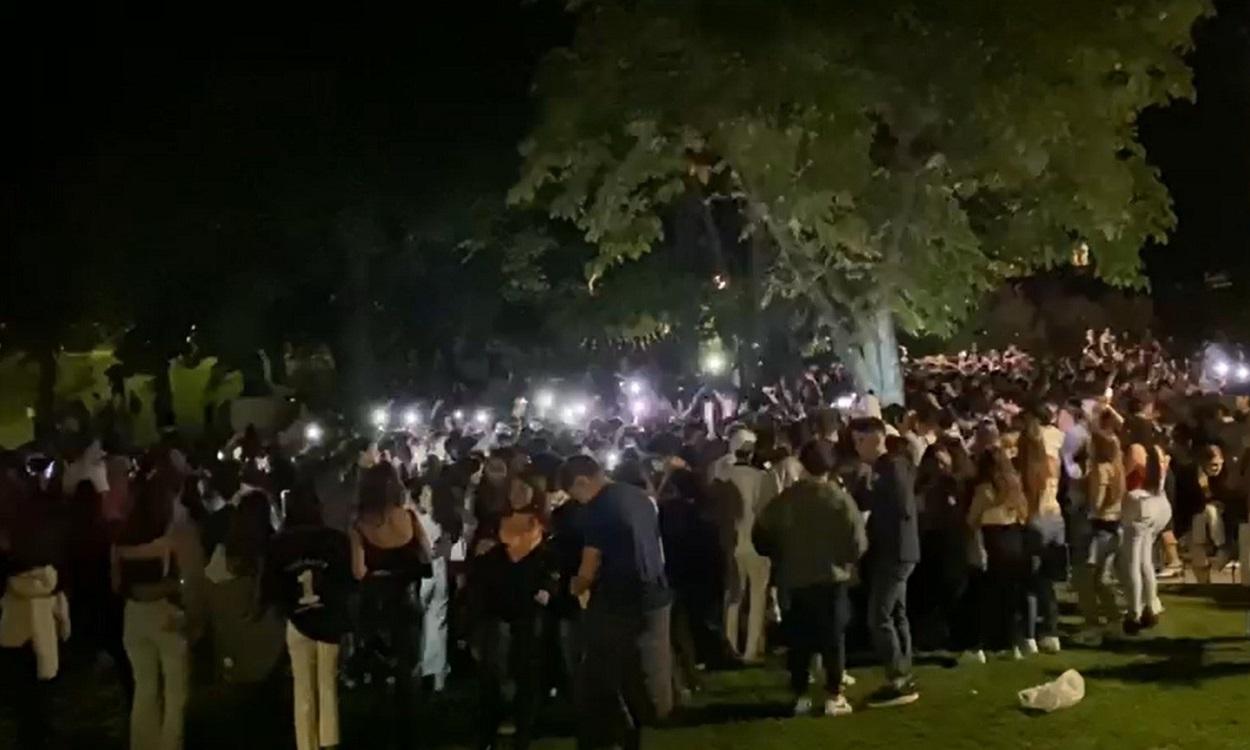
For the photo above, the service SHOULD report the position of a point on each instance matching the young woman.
(942, 574)
(150, 563)
(1146, 514)
(389, 555)
(998, 513)
(308, 576)
(1104, 495)
(1045, 539)
(513, 583)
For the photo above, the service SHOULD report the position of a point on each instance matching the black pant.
(511, 652)
(386, 650)
(27, 696)
(1003, 597)
(625, 679)
(816, 624)
(685, 669)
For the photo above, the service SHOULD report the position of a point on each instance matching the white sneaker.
(1050, 645)
(848, 680)
(1029, 647)
(1012, 655)
(839, 706)
(974, 657)
(803, 706)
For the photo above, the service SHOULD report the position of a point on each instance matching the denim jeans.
(625, 679)
(1137, 568)
(1045, 541)
(887, 617)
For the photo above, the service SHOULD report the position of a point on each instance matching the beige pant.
(158, 655)
(314, 665)
(750, 579)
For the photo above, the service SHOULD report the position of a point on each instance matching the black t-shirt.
(308, 575)
(623, 524)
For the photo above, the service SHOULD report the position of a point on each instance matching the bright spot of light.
(714, 363)
(613, 460)
(381, 417)
(545, 399)
(1221, 368)
(458, 414)
(313, 433)
(411, 417)
(1243, 373)
(481, 416)
(568, 415)
(580, 409)
(721, 282)
(844, 402)
(633, 387)
(638, 407)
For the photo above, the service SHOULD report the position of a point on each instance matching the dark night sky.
(136, 125)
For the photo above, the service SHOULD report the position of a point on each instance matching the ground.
(1187, 685)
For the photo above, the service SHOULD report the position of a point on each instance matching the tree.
(897, 159)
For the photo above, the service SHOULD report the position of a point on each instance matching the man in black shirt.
(626, 675)
(308, 576)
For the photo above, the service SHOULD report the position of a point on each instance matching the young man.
(749, 490)
(888, 497)
(816, 535)
(626, 675)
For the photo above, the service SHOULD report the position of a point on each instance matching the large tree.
(895, 158)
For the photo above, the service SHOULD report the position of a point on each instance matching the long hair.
(247, 537)
(1106, 460)
(996, 469)
(151, 513)
(1037, 469)
(380, 492)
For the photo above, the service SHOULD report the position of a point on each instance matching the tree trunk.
(45, 399)
(873, 357)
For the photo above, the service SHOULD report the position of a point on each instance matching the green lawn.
(1185, 686)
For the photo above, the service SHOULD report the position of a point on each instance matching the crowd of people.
(610, 564)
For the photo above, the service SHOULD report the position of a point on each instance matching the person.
(1104, 495)
(308, 575)
(157, 566)
(1044, 536)
(1146, 514)
(625, 679)
(998, 513)
(749, 489)
(512, 584)
(1202, 503)
(389, 555)
(444, 527)
(815, 536)
(943, 569)
(888, 496)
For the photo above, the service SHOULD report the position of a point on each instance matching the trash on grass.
(1064, 692)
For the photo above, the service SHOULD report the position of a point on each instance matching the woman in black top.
(389, 555)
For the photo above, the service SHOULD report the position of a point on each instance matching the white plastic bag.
(1065, 692)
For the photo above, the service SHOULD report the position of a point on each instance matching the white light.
(638, 407)
(580, 409)
(381, 417)
(844, 402)
(313, 433)
(481, 416)
(613, 460)
(568, 415)
(411, 417)
(546, 399)
(714, 363)
(634, 388)
(458, 415)
(721, 282)
(1221, 368)
(221, 455)
(1243, 373)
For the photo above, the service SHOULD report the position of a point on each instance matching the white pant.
(158, 655)
(749, 578)
(1206, 541)
(314, 667)
(1137, 566)
(434, 622)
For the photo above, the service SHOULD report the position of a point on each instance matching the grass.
(1183, 686)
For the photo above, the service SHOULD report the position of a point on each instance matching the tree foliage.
(900, 157)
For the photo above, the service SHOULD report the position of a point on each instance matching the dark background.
(137, 128)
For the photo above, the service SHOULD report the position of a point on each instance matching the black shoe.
(890, 696)
(1149, 619)
(1131, 626)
